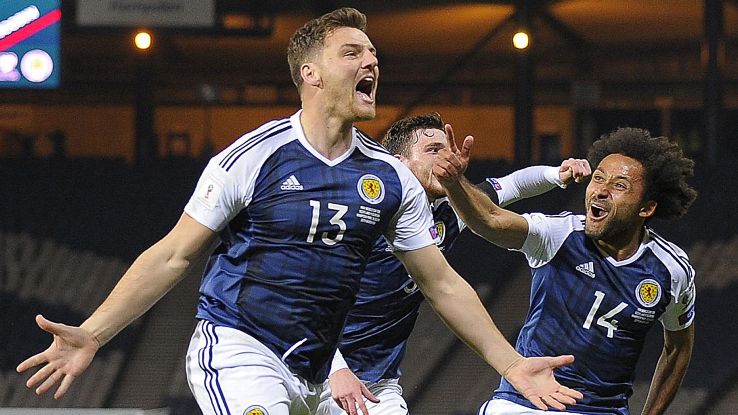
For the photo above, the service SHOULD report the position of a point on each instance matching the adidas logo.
(291, 184)
(586, 269)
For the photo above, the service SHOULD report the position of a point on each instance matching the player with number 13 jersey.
(270, 190)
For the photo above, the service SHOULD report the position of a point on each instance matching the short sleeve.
(546, 234)
(679, 313)
(412, 226)
(217, 198)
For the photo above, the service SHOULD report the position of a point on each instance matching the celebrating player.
(298, 204)
(601, 280)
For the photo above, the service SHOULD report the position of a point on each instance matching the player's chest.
(324, 202)
(611, 298)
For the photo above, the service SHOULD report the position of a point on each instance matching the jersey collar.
(295, 120)
(636, 255)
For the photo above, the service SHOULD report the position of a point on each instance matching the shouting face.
(348, 70)
(614, 200)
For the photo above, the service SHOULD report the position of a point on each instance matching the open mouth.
(597, 211)
(365, 87)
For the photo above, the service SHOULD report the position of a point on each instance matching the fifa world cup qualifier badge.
(370, 188)
(209, 192)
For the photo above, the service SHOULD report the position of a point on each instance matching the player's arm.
(150, 276)
(459, 306)
(670, 370)
(499, 226)
(533, 181)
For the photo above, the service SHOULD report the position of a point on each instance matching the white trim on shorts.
(231, 372)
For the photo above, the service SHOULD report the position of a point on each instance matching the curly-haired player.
(601, 280)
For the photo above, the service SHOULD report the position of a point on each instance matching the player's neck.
(623, 246)
(329, 135)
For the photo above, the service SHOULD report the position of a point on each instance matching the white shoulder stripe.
(256, 141)
(251, 138)
(673, 251)
(369, 142)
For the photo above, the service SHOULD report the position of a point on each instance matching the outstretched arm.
(151, 275)
(670, 370)
(460, 308)
(499, 226)
(534, 180)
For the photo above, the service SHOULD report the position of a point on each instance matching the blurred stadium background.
(101, 144)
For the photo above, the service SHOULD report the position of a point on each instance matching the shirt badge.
(648, 292)
(370, 188)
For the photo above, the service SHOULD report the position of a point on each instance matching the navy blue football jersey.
(379, 325)
(297, 230)
(586, 303)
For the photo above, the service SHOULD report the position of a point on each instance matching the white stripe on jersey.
(682, 281)
(242, 145)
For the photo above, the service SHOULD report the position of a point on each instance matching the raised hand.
(348, 391)
(451, 162)
(70, 353)
(574, 169)
(533, 377)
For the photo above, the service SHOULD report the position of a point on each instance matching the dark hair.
(665, 168)
(400, 137)
(310, 38)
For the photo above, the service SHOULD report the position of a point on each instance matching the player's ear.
(311, 75)
(648, 209)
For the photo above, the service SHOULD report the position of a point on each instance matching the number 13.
(335, 220)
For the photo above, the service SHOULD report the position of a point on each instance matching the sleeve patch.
(494, 183)
(209, 193)
(687, 316)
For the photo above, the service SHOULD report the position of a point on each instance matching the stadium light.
(142, 40)
(520, 40)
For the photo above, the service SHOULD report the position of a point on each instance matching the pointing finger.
(450, 138)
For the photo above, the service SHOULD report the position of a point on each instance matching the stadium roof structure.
(425, 44)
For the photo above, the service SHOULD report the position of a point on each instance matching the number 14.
(606, 320)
